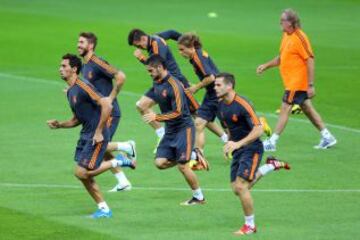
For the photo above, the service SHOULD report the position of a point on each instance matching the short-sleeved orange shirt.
(295, 49)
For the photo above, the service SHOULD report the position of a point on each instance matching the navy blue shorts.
(208, 109)
(245, 163)
(112, 124)
(177, 146)
(90, 156)
(294, 97)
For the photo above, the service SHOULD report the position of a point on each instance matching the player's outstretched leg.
(270, 144)
(327, 139)
(192, 180)
(242, 190)
(272, 164)
(94, 191)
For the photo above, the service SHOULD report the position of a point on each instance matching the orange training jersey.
(295, 49)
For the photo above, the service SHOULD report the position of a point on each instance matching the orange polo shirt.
(295, 49)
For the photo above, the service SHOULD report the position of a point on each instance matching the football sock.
(103, 206)
(274, 138)
(250, 220)
(125, 147)
(193, 155)
(122, 180)
(224, 138)
(197, 193)
(160, 132)
(266, 168)
(325, 133)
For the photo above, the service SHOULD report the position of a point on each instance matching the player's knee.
(183, 167)
(139, 106)
(199, 124)
(81, 173)
(239, 188)
(305, 108)
(160, 164)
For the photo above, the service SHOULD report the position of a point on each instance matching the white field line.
(128, 93)
(162, 189)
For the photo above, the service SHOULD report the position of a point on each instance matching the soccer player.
(156, 45)
(92, 111)
(245, 146)
(190, 47)
(296, 62)
(176, 145)
(98, 72)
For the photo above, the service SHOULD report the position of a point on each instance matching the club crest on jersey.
(90, 75)
(164, 93)
(234, 118)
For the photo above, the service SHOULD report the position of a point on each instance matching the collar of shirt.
(150, 39)
(163, 79)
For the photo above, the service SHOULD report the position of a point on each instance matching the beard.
(222, 96)
(156, 78)
(62, 77)
(84, 52)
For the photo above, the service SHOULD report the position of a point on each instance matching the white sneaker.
(269, 146)
(326, 143)
(119, 188)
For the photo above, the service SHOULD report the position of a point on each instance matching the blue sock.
(123, 160)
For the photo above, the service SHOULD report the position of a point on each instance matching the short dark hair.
(228, 78)
(74, 61)
(135, 35)
(91, 37)
(155, 61)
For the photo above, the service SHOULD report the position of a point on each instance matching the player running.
(190, 47)
(156, 45)
(177, 143)
(98, 72)
(244, 145)
(92, 111)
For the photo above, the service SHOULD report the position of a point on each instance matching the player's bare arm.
(255, 133)
(139, 55)
(272, 63)
(55, 124)
(205, 82)
(106, 108)
(310, 63)
(119, 80)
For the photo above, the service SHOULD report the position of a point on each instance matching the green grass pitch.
(41, 199)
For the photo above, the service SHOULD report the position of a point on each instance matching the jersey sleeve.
(159, 47)
(202, 61)
(169, 34)
(176, 103)
(90, 93)
(303, 46)
(104, 67)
